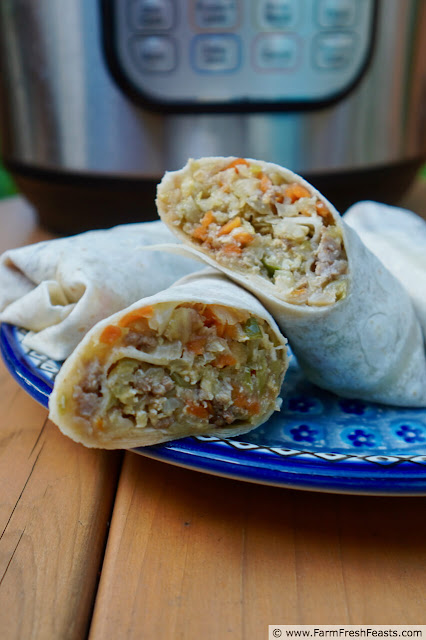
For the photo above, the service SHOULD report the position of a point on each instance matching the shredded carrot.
(209, 317)
(300, 293)
(211, 320)
(265, 183)
(323, 212)
(136, 314)
(110, 334)
(224, 360)
(199, 411)
(220, 329)
(234, 164)
(98, 424)
(295, 191)
(229, 226)
(232, 248)
(200, 232)
(252, 406)
(242, 401)
(196, 345)
(243, 238)
(230, 332)
(207, 219)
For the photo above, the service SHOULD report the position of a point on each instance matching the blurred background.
(7, 187)
(98, 98)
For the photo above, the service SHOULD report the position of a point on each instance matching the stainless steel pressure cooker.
(100, 97)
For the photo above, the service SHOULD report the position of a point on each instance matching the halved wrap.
(202, 357)
(58, 289)
(348, 320)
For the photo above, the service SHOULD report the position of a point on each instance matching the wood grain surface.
(192, 556)
(56, 499)
(55, 503)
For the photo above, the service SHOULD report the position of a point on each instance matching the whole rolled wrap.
(349, 321)
(58, 289)
(202, 357)
(398, 238)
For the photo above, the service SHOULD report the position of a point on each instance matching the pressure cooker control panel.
(235, 53)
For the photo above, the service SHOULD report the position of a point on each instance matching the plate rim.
(315, 471)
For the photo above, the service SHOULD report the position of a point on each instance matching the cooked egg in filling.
(171, 367)
(255, 222)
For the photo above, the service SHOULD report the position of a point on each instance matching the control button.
(215, 53)
(336, 13)
(277, 14)
(275, 51)
(216, 14)
(334, 50)
(151, 15)
(155, 54)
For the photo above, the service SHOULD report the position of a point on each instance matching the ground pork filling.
(256, 222)
(219, 367)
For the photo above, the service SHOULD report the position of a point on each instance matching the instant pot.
(100, 97)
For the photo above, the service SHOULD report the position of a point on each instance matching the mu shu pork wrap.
(202, 357)
(348, 320)
(400, 244)
(58, 289)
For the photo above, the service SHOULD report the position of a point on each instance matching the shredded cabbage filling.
(204, 366)
(258, 223)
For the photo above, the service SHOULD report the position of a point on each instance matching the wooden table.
(107, 545)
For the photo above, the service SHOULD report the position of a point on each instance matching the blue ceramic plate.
(317, 441)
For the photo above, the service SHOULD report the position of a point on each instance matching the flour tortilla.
(58, 289)
(210, 288)
(368, 345)
(398, 238)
